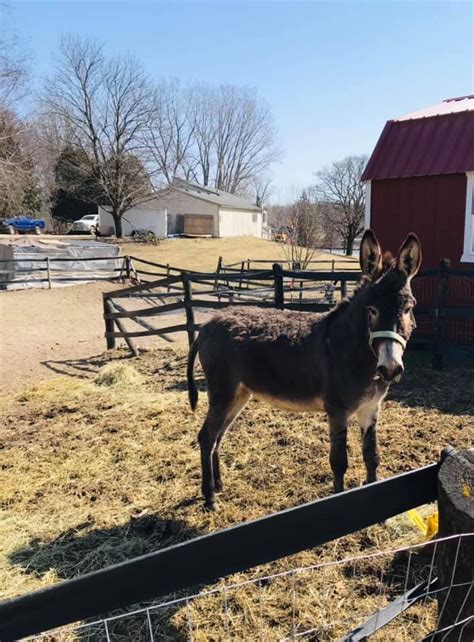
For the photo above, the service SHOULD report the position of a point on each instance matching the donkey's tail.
(192, 390)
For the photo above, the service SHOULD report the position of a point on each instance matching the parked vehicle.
(24, 224)
(88, 223)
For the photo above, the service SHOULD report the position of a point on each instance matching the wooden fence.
(206, 559)
(248, 265)
(192, 292)
(445, 310)
(51, 269)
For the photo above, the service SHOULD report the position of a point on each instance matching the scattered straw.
(98, 470)
(117, 374)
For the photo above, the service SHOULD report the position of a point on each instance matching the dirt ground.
(40, 329)
(48, 332)
(101, 464)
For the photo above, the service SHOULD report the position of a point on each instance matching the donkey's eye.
(372, 311)
(408, 308)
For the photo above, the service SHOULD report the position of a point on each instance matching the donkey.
(341, 362)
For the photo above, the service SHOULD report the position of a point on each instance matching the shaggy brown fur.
(303, 361)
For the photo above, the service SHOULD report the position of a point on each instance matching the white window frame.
(368, 203)
(468, 250)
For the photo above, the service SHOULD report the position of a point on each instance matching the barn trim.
(468, 250)
(368, 203)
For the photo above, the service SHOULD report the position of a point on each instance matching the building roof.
(448, 106)
(433, 141)
(218, 197)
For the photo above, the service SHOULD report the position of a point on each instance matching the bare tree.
(260, 189)
(13, 61)
(245, 138)
(339, 188)
(301, 233)
(103, 108)
(170, 135)
(218, 136)
(18, 181)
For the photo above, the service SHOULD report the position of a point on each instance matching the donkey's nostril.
(389, 374)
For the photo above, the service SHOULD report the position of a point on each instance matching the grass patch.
(201, 254)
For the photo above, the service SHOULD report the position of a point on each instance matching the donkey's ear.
(409, 256)
(370, 254)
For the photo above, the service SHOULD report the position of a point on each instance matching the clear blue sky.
(333, 72)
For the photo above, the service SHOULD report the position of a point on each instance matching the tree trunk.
(349, 245)
(118, 224)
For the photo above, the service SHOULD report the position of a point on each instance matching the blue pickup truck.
(24, 224)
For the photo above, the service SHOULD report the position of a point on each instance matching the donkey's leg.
(213, 425)
(241, 398)
(367, 417)
(338, 452)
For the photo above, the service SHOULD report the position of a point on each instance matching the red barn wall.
(431, 206)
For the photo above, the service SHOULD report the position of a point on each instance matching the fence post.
(343, 288)
(216, 281)
(188, 307)
(297, 266)
(437, 358)
(128, 268)
(167, 276)
(128, 340)
(278, 284)
(48, 272)
(455, 558)
(242, 270)
(109, 324)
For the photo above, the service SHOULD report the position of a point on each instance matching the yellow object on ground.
(428, 526)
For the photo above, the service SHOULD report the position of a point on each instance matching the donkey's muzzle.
(390, 373)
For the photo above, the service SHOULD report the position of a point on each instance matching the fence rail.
(437, 312)
(206, 559)
(49, 269)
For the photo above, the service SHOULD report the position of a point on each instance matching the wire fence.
(386, 595)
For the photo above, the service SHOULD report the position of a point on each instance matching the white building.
(191, 209)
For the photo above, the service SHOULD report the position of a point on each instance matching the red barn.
(420, 178)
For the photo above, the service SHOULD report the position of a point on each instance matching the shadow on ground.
(83, 368)
(79, 550)
(448, 390)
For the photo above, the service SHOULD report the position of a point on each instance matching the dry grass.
(201, 254)
(100, 468)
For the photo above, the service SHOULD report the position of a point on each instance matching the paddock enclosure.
(28, 263)
(444, 312)
(109, 466)
(110, 470)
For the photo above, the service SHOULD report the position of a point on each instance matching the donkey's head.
(389, 300)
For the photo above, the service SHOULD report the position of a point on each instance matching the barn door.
(199, 225)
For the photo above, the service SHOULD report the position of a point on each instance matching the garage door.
(199, 225)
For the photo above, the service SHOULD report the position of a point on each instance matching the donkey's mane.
(270, 324)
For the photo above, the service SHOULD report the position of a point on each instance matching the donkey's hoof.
(210, 504)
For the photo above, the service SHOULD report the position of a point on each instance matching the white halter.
(387, 334)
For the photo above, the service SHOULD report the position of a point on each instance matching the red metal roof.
(424, 146)
(448, 106)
